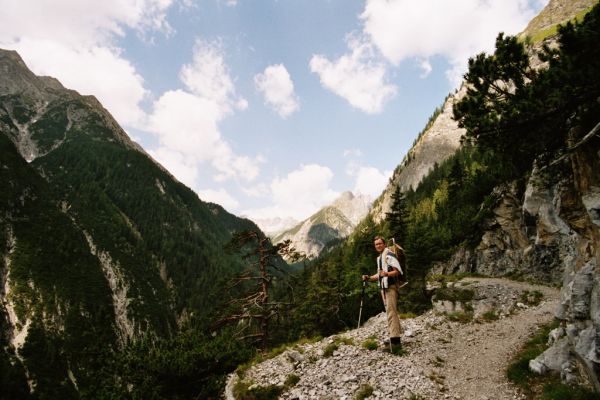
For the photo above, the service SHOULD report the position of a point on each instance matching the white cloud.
(78, 23)
(278, 90)
(74, 42)
(426, 67)
(299, 194)
(182, 167)
(457, 30)
(187, 122)
(221, 197)
(208, 77)
(369, 180)
(260, 190)
(97, 70)
(352, 153)
(357, 77)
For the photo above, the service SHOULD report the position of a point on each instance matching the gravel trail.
(444, 360)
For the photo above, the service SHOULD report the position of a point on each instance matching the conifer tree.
(254, 310)
(397, 218)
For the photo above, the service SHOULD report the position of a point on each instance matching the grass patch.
(438, 362)
(332, 347)
(244, 390)
(363, 392)
(370, 344)
(452, 278)
(291, 380)
(407, 315)
(437, 378)
(561, 391)
(454, 294)
(553, 30)
(490, 315)
(531, 298)
(463, 317)
(518, 371)
(398, 351)
(274, 352)
(547, 387)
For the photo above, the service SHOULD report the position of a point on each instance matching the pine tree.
(254, 310)
(397, 218)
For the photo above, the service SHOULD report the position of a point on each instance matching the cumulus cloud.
(181, 166)
(299, 194)
(208, 77)
(368, 180)
(358, 77)
(221, 197)
(96, 70)
(457, 30)
(277, 88)
(186, 122)
(426, 68)
(352, 153)
(74, 42)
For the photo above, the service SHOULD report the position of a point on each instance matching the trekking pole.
(362, 297)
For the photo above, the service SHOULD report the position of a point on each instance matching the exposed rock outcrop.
(437, 143)
(552, 234)
(332, 222)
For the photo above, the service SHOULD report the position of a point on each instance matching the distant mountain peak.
(334, 221)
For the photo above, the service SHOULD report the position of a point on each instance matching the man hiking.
(388, 274)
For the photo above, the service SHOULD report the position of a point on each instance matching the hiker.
(388, 275)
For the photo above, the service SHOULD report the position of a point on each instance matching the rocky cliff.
(332, 222)
(550, 231)
(438, 142)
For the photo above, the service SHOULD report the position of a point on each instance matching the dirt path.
(444, 360)
(477, 354)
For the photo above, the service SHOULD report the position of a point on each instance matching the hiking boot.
(393, 345)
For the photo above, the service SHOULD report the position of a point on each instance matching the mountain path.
(445, 359)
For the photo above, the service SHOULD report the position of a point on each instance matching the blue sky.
(270, 108)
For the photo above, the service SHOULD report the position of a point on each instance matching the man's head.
(379, 243)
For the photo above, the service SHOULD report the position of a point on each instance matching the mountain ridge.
(85, 197)
(331, 222)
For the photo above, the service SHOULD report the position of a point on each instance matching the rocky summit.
(332, 222)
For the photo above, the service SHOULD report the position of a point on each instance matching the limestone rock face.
(32, 110)
(550, 232)
(436, 144)
(332, 222)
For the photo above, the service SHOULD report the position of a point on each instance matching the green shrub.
(454, 294)
(490, 315)
(459, 316)
(370, 344)
(531, 298)
(330, 349)
(363, 392)
(245, 390)
(561, 391)
(291, 380)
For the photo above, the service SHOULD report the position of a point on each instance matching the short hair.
(379, 238)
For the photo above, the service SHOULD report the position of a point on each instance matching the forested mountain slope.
(100, 245)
